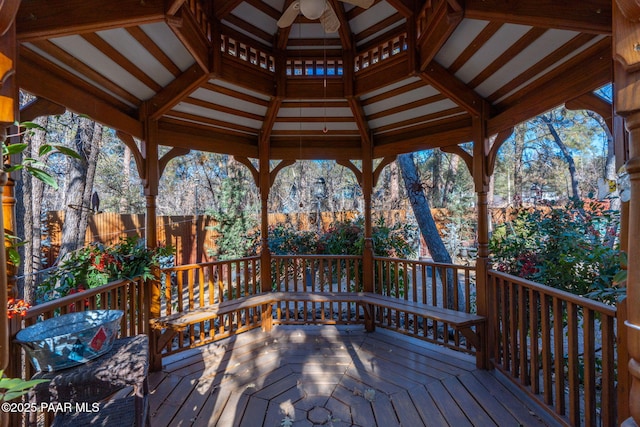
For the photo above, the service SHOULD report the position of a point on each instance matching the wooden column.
(626, 52)
(367, 190)
(481, 182)
(151, 181)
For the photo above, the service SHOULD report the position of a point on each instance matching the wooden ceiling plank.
(540, 66)
(440, 23)
(588, 71)
(404, 7)
(265, 37)
(590, 16)
(40, 19)
(41, 81)
(391, 21)
(176, 91)
(235, 94)
(222, 108)
(146, 42)
(515, 49)
(407, 106)
(487, 32)
(361, 119)
(223, 8)
(437, 76)
(393, 92)
(420, 121)
(209, 123)
(82, 68)
(100, 44)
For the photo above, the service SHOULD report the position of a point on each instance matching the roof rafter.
(39, 19)
(587, 16)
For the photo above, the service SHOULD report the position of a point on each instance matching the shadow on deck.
(333, 376)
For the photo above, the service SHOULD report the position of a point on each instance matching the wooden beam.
(360, 117)
(176, 91)
(135, 151)
(587, 72)
(344, 31)
(39, 19)
(439, 22)
(353, 168)
(252, 169)
(591, 16)
(40, 107)
(592, 102)
(75, 95)
(188, 31)
(174, 134)
(8, 11)
(170, 155)
(378, 170)
(437, 76)
(223, 8)
(404, 7)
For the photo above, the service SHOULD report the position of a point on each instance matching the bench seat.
(471, 326)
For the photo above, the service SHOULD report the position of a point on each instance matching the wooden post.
(151, 180)
(626, 52)
(483, 291)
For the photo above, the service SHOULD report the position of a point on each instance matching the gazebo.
(359, 82)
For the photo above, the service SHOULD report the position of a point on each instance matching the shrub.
(99, 264)
(570, 248)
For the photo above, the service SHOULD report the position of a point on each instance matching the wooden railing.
(246, 53)
(194, 286)
(381, 52)
(126, 295)
(316, 273)
(440, 285)
(559, 346)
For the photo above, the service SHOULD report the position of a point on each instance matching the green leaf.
(32, 125)
(15, 148)
(42, 176)
(44, 149)
(67, 151)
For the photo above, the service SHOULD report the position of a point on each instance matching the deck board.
(331, 375)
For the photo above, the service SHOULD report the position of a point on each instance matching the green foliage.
(96, 265)
(235, 222)
(569, 248)
(343, 238)
(12, 388)
(35, 167)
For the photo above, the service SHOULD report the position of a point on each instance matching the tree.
(80, 188)
(427, 225)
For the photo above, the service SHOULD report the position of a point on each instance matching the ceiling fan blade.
(365, 4)
(289, 15)
(329, 20)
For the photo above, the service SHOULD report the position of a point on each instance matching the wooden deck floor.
(332, 376)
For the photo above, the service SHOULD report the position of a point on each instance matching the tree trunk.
(31, 207)
(81, 175)
(450, 180)
(426, 223)
(575, 189)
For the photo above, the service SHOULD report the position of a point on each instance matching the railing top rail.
(558, 293)
(206, 264)
(45, 307)
(317, 256)
(432, 263)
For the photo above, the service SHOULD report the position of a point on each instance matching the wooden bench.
(164, 329)
(471, 326)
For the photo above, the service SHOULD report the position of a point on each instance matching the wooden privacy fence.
(192, 236)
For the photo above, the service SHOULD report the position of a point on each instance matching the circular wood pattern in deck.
(331, 376)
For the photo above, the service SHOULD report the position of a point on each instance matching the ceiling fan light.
(312, 9)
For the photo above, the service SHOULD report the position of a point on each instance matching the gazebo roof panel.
(166, 40)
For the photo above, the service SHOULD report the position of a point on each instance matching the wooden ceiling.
(400, 76)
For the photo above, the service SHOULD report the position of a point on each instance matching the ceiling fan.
(317, 9)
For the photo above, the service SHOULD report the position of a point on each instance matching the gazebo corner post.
(481, 176)
(626, 33)
(151, 179)
(368, 252)
(264, 184)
